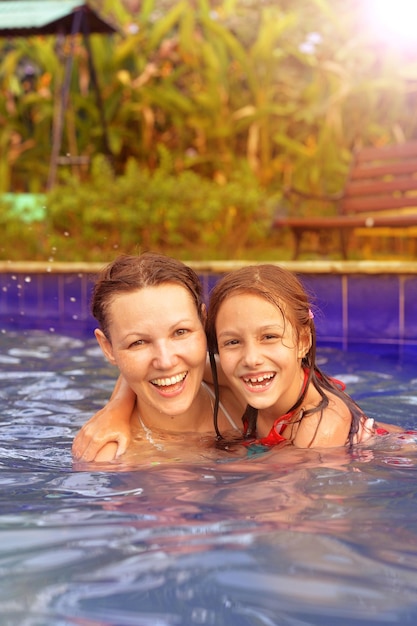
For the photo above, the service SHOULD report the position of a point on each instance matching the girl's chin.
(259, 402)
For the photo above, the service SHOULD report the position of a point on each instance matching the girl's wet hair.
(129, 273)
(285, 291)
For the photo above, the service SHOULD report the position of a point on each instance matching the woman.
(151, 326)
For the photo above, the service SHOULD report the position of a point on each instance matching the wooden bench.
(380, 193)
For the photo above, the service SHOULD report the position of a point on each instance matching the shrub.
(183, 214)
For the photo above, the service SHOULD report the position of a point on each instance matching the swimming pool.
(310, 539)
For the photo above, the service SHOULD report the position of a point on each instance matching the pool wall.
(357, 304)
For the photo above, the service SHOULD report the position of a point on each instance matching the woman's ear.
(203, 313)
(304, 343)
(105, 346)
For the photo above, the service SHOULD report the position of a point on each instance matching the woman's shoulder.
(231, 408)
(228, 397)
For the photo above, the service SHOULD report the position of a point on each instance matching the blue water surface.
(301, 538)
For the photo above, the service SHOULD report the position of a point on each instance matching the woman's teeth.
(166, 382)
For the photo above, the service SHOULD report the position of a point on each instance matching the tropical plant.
(290, 88)
(181, 213)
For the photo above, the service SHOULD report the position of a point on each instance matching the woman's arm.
(107, 434)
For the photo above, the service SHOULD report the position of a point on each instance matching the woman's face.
(259, 352)
(159, 345)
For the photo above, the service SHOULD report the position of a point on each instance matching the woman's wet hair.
(128, 273)
(286, 292)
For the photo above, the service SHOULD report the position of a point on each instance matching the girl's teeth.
(166, 382)
(259, 379)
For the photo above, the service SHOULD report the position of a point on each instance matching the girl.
(261, 324)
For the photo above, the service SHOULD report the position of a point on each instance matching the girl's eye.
(271, 337)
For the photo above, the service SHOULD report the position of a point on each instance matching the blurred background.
(178, 125)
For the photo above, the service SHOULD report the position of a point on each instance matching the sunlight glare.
(394, 21)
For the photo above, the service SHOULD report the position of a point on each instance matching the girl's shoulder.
(328, 427)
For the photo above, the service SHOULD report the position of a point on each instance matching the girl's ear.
(105, 346)
(304, 343)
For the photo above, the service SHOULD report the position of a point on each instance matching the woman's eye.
(231, 342)
(181, 331)
(138, 342)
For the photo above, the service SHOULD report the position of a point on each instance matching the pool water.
(294, 539)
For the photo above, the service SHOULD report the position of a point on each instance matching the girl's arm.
(107, 434)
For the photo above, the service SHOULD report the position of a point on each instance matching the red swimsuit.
(274, 436)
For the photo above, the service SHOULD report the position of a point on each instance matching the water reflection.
(283, 538)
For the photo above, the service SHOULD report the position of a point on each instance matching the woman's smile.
(162, 362)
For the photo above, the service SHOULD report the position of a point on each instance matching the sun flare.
(393, 21)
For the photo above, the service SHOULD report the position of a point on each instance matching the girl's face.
(259, 352)
(159, 345)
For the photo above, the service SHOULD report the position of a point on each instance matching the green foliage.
(183, 214)
(22, 229)
(246, 97)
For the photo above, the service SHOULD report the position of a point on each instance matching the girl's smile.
(259, 353)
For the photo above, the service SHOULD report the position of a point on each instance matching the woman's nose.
(164, 356)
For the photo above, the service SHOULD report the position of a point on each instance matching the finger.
(85, 449)
(122, 444)
(366, 430)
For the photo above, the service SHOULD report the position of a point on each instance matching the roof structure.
(23, 18)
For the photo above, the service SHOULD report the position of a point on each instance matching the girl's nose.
(252, 356)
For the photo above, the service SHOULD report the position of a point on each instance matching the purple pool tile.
(361, 310)
(410, 307)
(76, 289)
(326, 294)
(373, 308)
